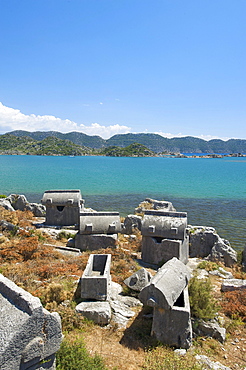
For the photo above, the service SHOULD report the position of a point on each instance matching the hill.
(153, 142)
(11, 144)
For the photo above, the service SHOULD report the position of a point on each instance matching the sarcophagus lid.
(70, 198)
(169, 225)
(100, 223)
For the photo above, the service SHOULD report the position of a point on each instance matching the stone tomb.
(29, 335)
(62, 207)
(164, 236)
(98, 230)
(167, 293)
(96, 279)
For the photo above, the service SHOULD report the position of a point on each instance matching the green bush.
(3, 196)
(202, 304)
(74, 356)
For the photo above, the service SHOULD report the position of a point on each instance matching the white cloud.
(12, 119)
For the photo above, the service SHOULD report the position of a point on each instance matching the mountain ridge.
(153, 142)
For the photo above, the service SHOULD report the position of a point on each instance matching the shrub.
(202, 304)
(234, 304)
(73, 356)
(3, 196)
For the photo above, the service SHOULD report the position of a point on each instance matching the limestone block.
(173, 326)
(99, 223)
(131, 223)
(96, 280)
(28, 332)
(138, 280)
(158, 251)
(166, 286)
(95, 242)
(210, 329)
(99, 312)
(202, 240)
(5, 203)
(229, 285)
(222, 251)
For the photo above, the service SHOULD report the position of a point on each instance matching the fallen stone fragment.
(210, 329)
(99, 312)
(222, 251)
(233, 284)
(204, 360)
(138, 280)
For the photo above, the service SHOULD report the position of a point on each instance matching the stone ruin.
(29, 335)
(167, 293)
(62, 207)
(164, 236)
(96, 279)
(97, 230)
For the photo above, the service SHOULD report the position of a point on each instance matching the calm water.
(212, 191)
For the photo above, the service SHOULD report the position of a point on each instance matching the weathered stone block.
(28, 332)
(138, 280)
(95, 242)
(99, 223)
(173, 326)
(96, 280)
(99, 312)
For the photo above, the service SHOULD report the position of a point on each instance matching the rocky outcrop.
(19, 202)
(205, 242)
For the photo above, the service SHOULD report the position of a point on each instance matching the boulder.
(223, 252)
(131, 223)
(18, 202)
(138, 280)
(5, 203)
(99, 312)
(202, 240)
(7, 226)
(210, 329)
(37, 209)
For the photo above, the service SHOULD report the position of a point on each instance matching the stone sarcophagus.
(96, 279)
(167, 293)
(97, 230)
(164, 236)
(29, 335)
(62, 207)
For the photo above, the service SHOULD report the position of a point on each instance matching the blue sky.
(104, 67)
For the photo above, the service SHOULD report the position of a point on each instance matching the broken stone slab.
(95, 242)
(99, 312)
(205, 361)
(229, 285)
(29, 334)
(121, 313)
(173, 326)
(166, 286)
(96, 280)
(222, 273)
(210, 329)
(138, 280)
(5, 225)
(18, 202)
(131, 223)
(222, 251)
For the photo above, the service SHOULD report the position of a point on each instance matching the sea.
(211, 190)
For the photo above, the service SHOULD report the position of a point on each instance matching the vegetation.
(132, 150)
(154, 142)
(74, 356)
(202, 304)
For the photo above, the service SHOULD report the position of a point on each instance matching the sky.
(106, 67)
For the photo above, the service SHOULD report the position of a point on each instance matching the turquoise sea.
(212, 191)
